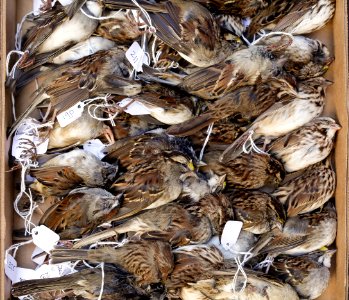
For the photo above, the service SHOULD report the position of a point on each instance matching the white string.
(102, 283)
(116, 244)
(264, 35)
(266, 263)
(152, 29)
(240, 269)
(252, 146)
(100, 18)
(13, 69)
(209, 131)
(13, 100)
(15, 248)
(18, 37)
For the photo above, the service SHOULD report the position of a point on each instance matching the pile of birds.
(218, 118)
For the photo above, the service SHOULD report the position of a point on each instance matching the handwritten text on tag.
(10, 267)
(70, 115)
(230, 234)
(44, 238)
(136, 57)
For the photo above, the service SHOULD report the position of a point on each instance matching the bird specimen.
(308, 191)
(64, 172)
(258, 211)
(284, 116)
(149, 261)
(247, 171)
(309, 274)
(307, 145)
(86, 283)
(81, 211)
(179, 225)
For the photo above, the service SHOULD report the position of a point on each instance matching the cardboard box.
(335, 36)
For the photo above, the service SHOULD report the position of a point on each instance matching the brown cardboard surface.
(335, 36)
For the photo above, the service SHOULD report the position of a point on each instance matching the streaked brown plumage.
(247, 171)
(196, 223)
(307, 145)
(149, 261)
(80, 212)
(308, 191)
(59, 175)
(259, 212)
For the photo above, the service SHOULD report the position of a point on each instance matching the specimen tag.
(47, 271)
(70, 115)
(135, 108)
(25, 274)
(38, 256)
(136, 57)
(10, 267)
(23, 142)
(36, 7)
(230, 234)
(65, 2)
(95, 147)
(44, 238)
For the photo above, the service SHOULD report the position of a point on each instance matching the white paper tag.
(230, 234)
(38, 256)
(65, 2)
(36, 7)
(44, 238)
(95, 147)
(135, 108)
(70, 115)
(136, 57)
(21, 142)
(23, 274)
(47, 271)
(10, 267)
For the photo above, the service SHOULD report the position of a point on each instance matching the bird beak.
(201, 164)
(336, 126)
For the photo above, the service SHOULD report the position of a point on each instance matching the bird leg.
(108, 133)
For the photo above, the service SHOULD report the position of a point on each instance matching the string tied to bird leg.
(266, 263)
(250, 146)
(209, 131)
(151, 28)
(95, 109)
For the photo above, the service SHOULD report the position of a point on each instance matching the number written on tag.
(70, 115)
(136, 57)
(231, 234)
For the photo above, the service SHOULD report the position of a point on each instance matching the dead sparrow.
(247, 171)
(192, 263)
(284, 116)
(253, 65)
(258, 211)
(308, 274)
(174, 223)
(86, 283)
(81, 211)
(308, 191)
(157, 181)
(187, 27)
(307, 145)
(106, 71)
(301, 234)
(78, 132)
(56, 30)
(259, 287)
(245, 103)
(307, 16)
(59, 175)
(149, 261)
(306, 57)
(122, 27)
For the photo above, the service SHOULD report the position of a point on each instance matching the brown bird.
(244, 67)
(149, 261)
(122, 27)
(245, 103)
(301, 234)
(192, 263)
(185, 26)
(81, 211)
(158, 181)
(78, 132)
(284, 116)
(307, 145)
(85, 283)
(59, 175)
(308, 191)
(56, 30)
(259, 212)
(104, 72)
(247, 171)
(179, 225)
(309, 274)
